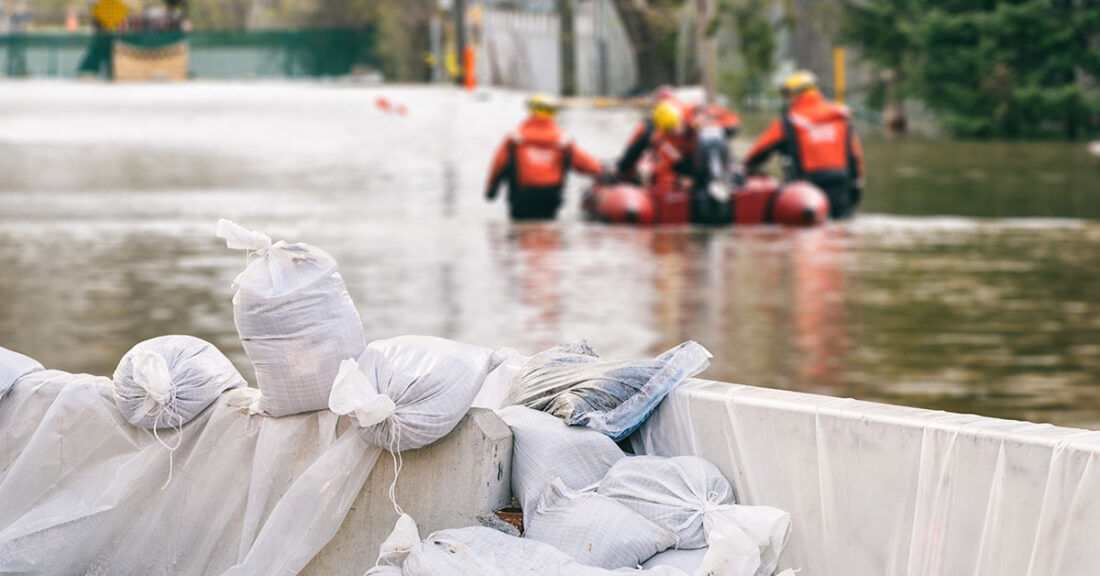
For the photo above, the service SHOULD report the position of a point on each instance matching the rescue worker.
(534, 161)
(817, 142)
(663, 133)
(691, 119)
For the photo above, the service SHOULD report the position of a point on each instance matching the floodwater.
(969, 282)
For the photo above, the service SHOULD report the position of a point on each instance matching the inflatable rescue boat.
(762, 200)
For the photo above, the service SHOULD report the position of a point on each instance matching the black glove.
(607, 177)
(491, 194)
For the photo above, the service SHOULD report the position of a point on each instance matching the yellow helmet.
(543, 105)
(667, 116)
(798, 82)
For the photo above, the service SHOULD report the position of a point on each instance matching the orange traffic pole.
(469, 75)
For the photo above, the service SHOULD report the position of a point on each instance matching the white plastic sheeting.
(879, 489)
(164, 382)
(82, 489)
(13, 366)
(573, 383)
(295, 318)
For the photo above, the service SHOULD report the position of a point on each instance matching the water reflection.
(998, 317)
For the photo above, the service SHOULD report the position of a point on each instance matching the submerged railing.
(210, 53)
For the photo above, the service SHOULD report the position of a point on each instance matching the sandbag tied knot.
(238, 237)
(355, 395)
(713, 503)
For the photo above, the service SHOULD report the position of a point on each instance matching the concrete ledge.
(449, 484)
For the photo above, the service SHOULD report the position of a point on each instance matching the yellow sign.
(110, 13)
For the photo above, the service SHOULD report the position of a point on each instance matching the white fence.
(521, 50)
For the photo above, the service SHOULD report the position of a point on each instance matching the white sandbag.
(164, 382)
(673, 493)
(498, 384)
(733, 529)
(409, 391)
(686, 560)
(480, 551)
(14, 366)
(545, 448)
(574, 384)
(295, 319)
(595, 530)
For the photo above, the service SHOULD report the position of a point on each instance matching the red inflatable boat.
(762, 200)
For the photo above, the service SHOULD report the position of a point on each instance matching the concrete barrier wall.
(876, 489)
(448, 484)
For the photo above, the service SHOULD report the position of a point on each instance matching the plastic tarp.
(573, 383)
(880, 489)
(83, 491)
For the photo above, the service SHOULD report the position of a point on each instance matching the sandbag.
(574, 384)
(14, 366)
(673, 493)
(686, 560)
(295, 318)
(545, 448)
(164, 382)
(480, 551)
(595, 530)
(409, 391)
(744, 540)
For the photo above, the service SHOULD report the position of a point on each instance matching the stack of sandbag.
(295, 318)
(14, 366)
(409, 391)
(479, 551)
(574, 384)
(165, 382)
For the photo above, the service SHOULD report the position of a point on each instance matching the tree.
(1022, 68)
(652, 29)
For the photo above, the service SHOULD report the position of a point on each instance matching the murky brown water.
(109, 196)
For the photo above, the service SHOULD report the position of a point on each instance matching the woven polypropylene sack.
(14, 366)
(295, 318)
(410, 391)
(545, 448)
(574, 384)
(594, 529)
(165, 382)
(479, 551)
(686, 560)
(674, 493)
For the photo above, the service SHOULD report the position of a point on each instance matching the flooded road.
(970, 281)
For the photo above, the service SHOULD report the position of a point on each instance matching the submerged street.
(968, 282)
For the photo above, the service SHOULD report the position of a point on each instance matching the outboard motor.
(712, 195)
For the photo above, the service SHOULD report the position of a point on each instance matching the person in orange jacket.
(534, 161)
(692, 117)
(818, 144)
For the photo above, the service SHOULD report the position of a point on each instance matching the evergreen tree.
(1021, 68)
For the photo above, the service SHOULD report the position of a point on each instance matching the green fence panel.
(222, 54)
